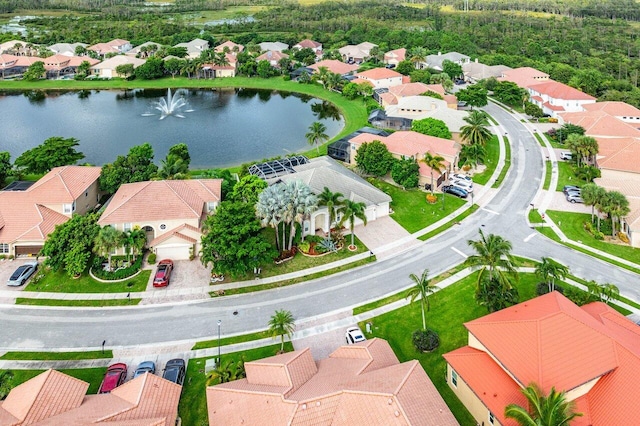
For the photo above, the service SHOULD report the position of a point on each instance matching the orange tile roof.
(524, 76)
(175, 199)
(306, 43)
(600, 123)
(176, 233)
(335, 66)
(230, 45)
(63, 184)
(619, 154)
(378, 74)
(618, 109)
(410, 89)
(398, 54)
(362, 384)
(272, 55)
(559, 90)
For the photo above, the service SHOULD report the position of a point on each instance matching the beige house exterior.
(107, 68)
(171, 212)
(28, 217)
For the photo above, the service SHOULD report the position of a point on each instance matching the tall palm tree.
(134, 241)
(352, 210)
(423, 288)
(493, 255)
(173, 167)
(618, 207)
(227, 371)
(592, 194)
(301, 203)
(549, 270)
(107, 240)
(281, 324)
(333, 201)
(476, 130)
(316, 134)
(472, 154)
(270, 210)
(434, 162)
(549, 410)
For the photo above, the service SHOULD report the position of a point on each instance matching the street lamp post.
(219, 323)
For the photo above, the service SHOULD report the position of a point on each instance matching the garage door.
(27, 250)
(180, 252)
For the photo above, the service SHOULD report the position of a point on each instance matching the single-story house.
(309, 44)
(195, 47)
(554, 97)
(394, 57)
(28, 216)
(274, 46)
(380, 78)
(590, 352)
(360, 384)
(107, 68)
(524, 76)
(11, 65)
(19, 48)
(54, 398)
(142, 50)
(415, 145)
(356, 53)
(273, 57)
(323, 172)
(116, 46)
(229, 47)
(435, 61)
(66, 49)
(335, 66)
(171, 212)
(476, 71)
(59, 65)
(341, 149)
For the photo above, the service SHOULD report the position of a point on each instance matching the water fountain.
(170, 105)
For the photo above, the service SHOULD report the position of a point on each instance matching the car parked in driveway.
(574, 197)
(175, 371)
(354, 335)
(454, 190)
(567, 156)
(163, 273)
(22, 274)
(145, 367)
(460, 176)
(570, 188)
(464, 184)
(114, 377)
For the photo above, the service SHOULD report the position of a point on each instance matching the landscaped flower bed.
(118, 273)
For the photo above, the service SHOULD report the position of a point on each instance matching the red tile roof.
(410, 89)
(600, 123)
(378, 74)
(619, 154)
(618, 109)
(524, 76)
(334, 66)
(558, 90)
(310, 44)
(398, 54)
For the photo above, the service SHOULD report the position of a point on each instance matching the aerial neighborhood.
(460, 248)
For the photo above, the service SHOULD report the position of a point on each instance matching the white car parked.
(462, 183)
(354, 335)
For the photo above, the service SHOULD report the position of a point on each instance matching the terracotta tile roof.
(335, 66)
(25, 61)
(524, 76)
(176, 199)
(230, 45)
(618, 109)
(272, 55)
(176, 232)
(361, 81)
(378, 74)
(398, 54)
(342, 390)
(63, 184)
(389, 98)
(553, 107)
(559, 90)
(437, 88)
(600, 123)
(410, 89)
(7, 61)
(59, 61)
(619, 154)
(306, 43)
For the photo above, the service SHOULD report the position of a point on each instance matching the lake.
(222, 127)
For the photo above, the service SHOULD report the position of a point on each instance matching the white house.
(380, 78)
(275, 46)
(554, 97)
(195, 47)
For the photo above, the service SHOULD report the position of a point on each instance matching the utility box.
(368, 327)
(210, 365)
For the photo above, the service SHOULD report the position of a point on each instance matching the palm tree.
(174, 167)
(134, 241)
(270, 208)
(549, 270)
(352, 210)
(281, 323)
(107, 240)
(301, 203)
(227, 371)
(322, 75)
(550, 410)
(476, 131)
(434, 162)
(592, 194)
(332, 200)
(423, 288)
(220, 59)
(316, 134)
(618, 207)
(494, 255)
(418, 55)
(472, 154)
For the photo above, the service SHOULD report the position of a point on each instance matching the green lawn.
(450, 308)
(91, 375)
(193, 402)
(534, 216)
(81, 303)
(231, 340)
(54, 356)
(567, 176)
(507, 164)
(572, 224)
(410, 207)
(491, 161)
(61, 282)
(448, 225)
(547, 175)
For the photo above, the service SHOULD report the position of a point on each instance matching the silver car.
(574, 197)
(22, 274)
(145, 367)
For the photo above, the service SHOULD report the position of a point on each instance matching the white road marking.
(459, 252)
(533, 234)
(490, 211)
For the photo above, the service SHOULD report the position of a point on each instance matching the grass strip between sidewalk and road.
(448, 225)
(77, 303)
(56, 356)
(548, 169)
(231, 340)
(507, 164)
(534, 216)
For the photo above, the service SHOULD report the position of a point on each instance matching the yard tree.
(280, 324)
(265, 70)
(173, 66)
(374, 158)
(431, 127)
(549, 271)
(405, 172)
(333, 201)
(181, 151)
(228, 181)
(617, 206)
(422, 289)
(494, 296)
(233, 241)
(474, 96)
(352, 210)
(350, 91)
(107, 240)
(493, 257)
(434, 162)
(6, 383)
(533, 110)
(316, 134)
(543, 410)
(592, 194)
(405, 67)
(248, 189)
(176, 164)
(444, 79)
(472, 155)
(420, 76)
(125, 70)
(476, 130)
(5, 166)
(509, 93)
(588, 80)
(451, 68)
(137, 166)
(305, 55)
(568, 129)
(69, 246)
(54, 152)
(36, 71)
(153, 68)
(83, 69)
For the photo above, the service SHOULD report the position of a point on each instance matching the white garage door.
(180, 252)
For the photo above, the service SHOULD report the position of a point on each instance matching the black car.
(454, 190)
(175, 370)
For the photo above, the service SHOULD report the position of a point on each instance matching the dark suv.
(175, 370)
(454, 190)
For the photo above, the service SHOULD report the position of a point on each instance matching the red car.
(163, 273)
(115, 376)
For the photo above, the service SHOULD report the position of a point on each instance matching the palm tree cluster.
(612, 203)
(283, 206)
(328, 79)
(549, 271)
(347, 210)
(434, 162)
(109, 239)
(475, 134)
(584, 148)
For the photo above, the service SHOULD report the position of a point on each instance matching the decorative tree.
(434, 162)
(423, 289)
(282, 323)
(316, 134)
(352, 210)
(493, 255)
(549, 271)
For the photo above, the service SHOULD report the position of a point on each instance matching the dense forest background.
(592, 44)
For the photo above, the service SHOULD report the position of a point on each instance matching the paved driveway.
(559, 202)
(7, 268)
(186, 274)
(382, 231)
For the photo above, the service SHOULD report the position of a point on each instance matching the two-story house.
(554, 97)
(194, 48)
(380, 78)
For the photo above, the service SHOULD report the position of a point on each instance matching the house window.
(4, 248)
(454, 378)
(126, 227)
(68, 208)
(211, 206)
(491, 418)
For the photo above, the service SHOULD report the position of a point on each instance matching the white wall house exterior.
(554, 97)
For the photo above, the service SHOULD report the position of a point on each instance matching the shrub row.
(116, 275)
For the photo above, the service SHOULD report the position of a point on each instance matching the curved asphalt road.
(25, 327)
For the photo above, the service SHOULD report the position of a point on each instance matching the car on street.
(566, 156)
(570, 188)
(163, 273)
(454, 190)
(354, 335)
(114, 377)
(145, 367)
(22, 274)
(175, 371)
(574, 197)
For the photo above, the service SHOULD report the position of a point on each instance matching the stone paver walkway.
(378, 233)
